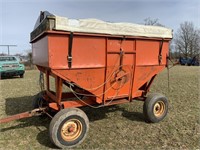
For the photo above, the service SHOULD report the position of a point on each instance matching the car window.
(8, 59)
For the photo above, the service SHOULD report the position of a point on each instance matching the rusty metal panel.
(91, 80)
(165, 52)
(58, 50)
(120, 55)
(88, 52)
(143, 74)
(147, 52)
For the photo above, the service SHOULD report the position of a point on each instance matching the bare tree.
(30, 58)
(19, 54)
(152, 22)
(187, 40)
(155, 22)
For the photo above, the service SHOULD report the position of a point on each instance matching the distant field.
(116, 127)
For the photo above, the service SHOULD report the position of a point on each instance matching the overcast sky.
(17, 17)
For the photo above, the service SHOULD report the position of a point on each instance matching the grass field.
(116, 127)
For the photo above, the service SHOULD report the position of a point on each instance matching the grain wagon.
(102, 64)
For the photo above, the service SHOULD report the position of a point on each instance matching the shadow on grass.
(101, 113)
(22, 104)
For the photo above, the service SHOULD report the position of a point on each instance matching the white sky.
(17, 17)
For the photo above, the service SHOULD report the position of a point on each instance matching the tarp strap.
(160, 52)
(69, 58)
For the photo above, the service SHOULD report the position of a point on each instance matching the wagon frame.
(58, 100)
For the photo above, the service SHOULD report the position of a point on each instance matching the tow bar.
(28, 114)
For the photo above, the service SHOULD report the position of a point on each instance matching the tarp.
(102, 27)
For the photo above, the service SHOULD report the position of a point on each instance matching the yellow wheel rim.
(71, 130)
(159, 108)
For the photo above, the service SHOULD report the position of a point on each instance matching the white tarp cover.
(98, 26)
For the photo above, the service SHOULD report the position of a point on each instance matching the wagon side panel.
(88, 64)
(90, 80)
(165, 52)
(147, 52)
(120, 64)
(88, 52)
(143, 75)
(147, 62)
(41, 52)
(58, 50)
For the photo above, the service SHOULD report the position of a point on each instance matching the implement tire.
(68, 128)
(155, 108)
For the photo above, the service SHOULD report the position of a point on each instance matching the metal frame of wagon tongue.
(28, 114)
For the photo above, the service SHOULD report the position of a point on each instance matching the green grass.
(116, 127)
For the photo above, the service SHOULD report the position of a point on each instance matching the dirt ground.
(116, 127)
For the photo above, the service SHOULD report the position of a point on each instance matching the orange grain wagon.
(102, 64)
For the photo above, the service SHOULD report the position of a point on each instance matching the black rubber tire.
(21, 75)
(148, 107)
(38, 101)
(58, 121)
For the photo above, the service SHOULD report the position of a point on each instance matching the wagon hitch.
(28, 114)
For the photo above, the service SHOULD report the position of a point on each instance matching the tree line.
(185, 42)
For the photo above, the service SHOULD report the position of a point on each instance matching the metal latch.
(69, 58)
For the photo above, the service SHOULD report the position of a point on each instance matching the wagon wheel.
(155, 108)
(68, 127)
(38, 101)
(21, 75)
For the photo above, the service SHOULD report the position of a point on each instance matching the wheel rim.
(159, 108)
(71, 130)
